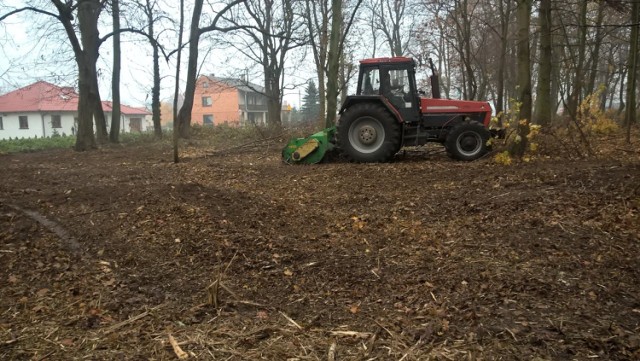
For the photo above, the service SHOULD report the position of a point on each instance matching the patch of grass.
(220, 137)
(143, 137)
(35, 144)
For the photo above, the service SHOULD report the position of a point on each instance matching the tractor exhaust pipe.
(435, 81)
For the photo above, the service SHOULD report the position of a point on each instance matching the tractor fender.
(356, 99)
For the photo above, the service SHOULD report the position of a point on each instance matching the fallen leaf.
(42, 292)
(262, 315)
(288, 272)
(67, 342)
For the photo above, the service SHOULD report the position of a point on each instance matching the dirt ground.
(116, 253)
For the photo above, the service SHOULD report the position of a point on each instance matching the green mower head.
(309, 150)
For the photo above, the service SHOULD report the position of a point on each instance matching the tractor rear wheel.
(367, 133)
(467, 141)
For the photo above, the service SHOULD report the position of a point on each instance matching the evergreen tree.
(311, 103)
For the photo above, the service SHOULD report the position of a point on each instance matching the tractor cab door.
(398, 85)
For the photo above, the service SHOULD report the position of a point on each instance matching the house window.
(24, 122)
(206, 101)
(205, 84)
(1, 125)
(56, 122)
(207, 120)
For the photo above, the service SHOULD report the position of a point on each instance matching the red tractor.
(388, 112)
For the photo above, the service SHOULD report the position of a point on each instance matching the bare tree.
(269, 30)
(176, 92)
(85, 45)
(523, 13)
(317, 21)
(339, 31)
(390, 17)
(114, 131)
(183, 119)
(543, 109)
(630, 113)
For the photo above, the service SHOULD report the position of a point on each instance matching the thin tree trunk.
(333, 62)
(184, 115)
(523, 14)
(505, 14)
(155, 90)
(578, 83)
(176, 93)
(630, 114)
(114, 132)
(85, 139)
(89, 104)
(543, 91)
(595, 57)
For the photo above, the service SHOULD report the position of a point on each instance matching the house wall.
(224, 107)
(11, 124)
(125, 122)
(39, 125)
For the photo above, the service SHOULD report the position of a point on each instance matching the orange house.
(228, 101)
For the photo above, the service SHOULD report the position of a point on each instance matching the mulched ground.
(112, 254)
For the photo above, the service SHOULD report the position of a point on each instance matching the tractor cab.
(394, 80)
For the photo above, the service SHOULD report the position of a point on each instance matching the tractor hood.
(435, 106)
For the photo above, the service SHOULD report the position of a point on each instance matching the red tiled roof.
(107, 106)
(46, 97)
(39, 96)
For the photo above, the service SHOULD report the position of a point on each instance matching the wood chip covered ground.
(120, 254)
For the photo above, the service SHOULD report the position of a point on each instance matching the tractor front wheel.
(467, 141)
(367, 133)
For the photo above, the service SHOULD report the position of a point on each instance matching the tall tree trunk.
(89, 104)
(85, 139)
(114, 132)
(319, 40)
(184, 115)
(102, 136)
(623, 75)
(176, 92)
(88, 13)
(523, 14)
(595, 60)
(333, 61)
(630, 113)
(505, 14)
(272, 92)
(578, 82)
(155, 90)
(543, 109)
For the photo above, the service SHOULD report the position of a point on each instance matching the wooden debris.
(291, 320)
(177, 349)
(331, 355)
(130, 320)
(351, 334)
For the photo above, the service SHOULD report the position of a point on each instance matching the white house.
(44, 110)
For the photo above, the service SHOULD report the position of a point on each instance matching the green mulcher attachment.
(311, 149)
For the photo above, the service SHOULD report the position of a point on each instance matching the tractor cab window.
(399, 88)
(371, 82)
(400, 81)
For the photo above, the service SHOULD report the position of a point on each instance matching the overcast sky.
(25, 57)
